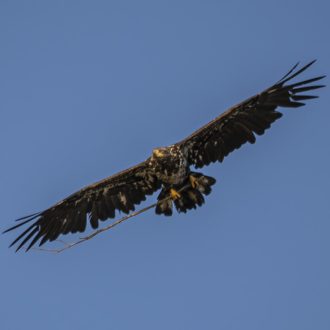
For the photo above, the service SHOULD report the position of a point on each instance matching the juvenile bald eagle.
(168, 168)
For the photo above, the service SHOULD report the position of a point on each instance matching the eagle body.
(170, 164)
(169, 168)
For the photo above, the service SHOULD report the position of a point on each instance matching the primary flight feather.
(168, 168)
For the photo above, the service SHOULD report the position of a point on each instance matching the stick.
(101, 230)
(96, 232)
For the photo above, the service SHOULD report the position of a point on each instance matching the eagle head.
(161, 152)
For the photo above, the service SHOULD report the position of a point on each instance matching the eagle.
(169, 169)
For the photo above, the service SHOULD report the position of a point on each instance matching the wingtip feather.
(290, 76)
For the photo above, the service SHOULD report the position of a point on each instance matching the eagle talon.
(193, 181)
(174, 194)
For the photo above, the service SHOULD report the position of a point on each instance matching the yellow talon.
(193, 181)
(174, 194)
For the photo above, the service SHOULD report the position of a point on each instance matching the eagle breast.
(169, 164)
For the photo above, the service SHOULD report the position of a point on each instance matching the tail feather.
(190, 197)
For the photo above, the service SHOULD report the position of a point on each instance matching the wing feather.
(96, 202)
(240, 123)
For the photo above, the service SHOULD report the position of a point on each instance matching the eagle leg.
(164, 203)
(201, 182)
(193, 181)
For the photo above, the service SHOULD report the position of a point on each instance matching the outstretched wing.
(240, 123)
(98, 201)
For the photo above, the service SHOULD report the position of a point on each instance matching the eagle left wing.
(98, 201)
(240, 123)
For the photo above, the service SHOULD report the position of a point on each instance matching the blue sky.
(89, 88)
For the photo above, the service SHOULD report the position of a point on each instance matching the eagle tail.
(190, 194)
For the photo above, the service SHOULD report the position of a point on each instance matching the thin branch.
(96, 232)
(101, 230)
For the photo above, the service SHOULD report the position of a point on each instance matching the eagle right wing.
(98, 201)
(239, 124)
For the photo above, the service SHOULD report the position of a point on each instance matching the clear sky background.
(88, 88)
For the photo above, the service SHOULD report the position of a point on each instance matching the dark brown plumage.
(169, 167)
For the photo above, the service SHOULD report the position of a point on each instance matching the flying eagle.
(169, 168)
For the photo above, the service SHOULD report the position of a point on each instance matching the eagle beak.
(158, 153)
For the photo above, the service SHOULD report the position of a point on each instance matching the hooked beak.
(158, 153)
